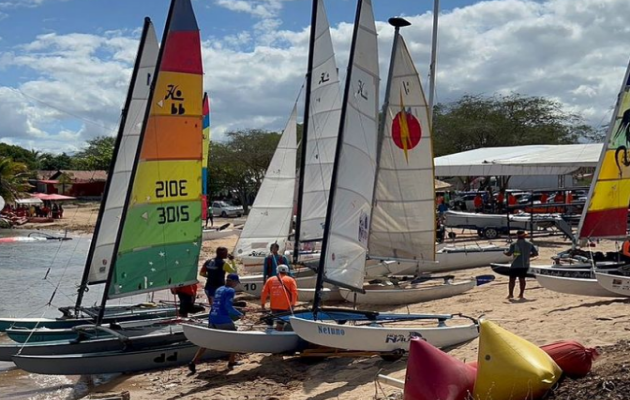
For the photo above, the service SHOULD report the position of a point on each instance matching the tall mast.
(123, 121)
(433, 66)
(333, 182)
(307, 105)
(147, 112)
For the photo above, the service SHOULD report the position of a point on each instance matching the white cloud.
(573, 51)
(6, 4)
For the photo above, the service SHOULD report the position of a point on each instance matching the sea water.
(30, 273)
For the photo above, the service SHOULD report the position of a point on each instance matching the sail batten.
(403, 216)
(160, 239)
(606, 211)
(322, 113)
(348, 220)
(269, 220)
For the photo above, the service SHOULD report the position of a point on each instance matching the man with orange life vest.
(282, 291)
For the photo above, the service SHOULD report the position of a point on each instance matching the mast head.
(398, 22)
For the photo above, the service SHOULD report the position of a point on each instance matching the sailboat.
(607, 211)
(101, 248)
(350, 209)
(157, 242)
(270, 218)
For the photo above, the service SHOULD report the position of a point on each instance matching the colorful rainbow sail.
(206, 155)
(160, 238)
(607, 213)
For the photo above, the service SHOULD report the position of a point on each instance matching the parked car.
(225, 209)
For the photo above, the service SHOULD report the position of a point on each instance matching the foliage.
(476, 121)
(13, 179)
(238, 165)
(19, 155)
(97, 155)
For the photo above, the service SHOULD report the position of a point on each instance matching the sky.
(65, 65)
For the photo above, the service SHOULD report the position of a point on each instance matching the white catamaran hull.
(576, 286)
(267, 341)
(618, 284)
(327, 294)
(449, 258)
(253, 284)
(379, 338)
(253, 263)
(384, 295)
(113, 361)
(213, 234)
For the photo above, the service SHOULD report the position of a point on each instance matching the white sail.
(403, 217)
(351, 198)
(269, 220)
(323, 128)
(119, 181)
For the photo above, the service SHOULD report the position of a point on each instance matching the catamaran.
(605, 216)
(101, 248)
(157, 242)
(351, 208)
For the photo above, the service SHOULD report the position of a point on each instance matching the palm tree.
(13, 179)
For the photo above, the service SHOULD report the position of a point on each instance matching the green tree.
(97, 155)
(51, 162)
(13, 179)
(19, 154)
(476, 121)
(238, 165)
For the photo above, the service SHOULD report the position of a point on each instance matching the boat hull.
(449, 258)
(254, 264)
(87, 346)
(253, 284)
(378, 338)
(327, 294)
(408, 295)
(267, 341)
(618, 284)
(113, 314)
(212, 234)
(576, 286)
(110, 362)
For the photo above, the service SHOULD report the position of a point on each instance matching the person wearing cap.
(281, 291)
(222, 315)
(522, 250)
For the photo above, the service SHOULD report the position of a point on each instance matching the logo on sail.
(363, 227)
(406, 130)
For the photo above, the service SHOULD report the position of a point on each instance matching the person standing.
(522, 250)
(210, 216)
(272, 261)
(222, 315)
(281, 291)
(478, 203)
(501, 200)
(215, 269)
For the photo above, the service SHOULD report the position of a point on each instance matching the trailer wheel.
(452, 235)
(490, 233)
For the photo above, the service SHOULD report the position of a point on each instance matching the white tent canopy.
(520, 160)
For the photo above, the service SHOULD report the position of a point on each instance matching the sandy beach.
(544, 317)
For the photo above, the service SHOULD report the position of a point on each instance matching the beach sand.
(544, 317)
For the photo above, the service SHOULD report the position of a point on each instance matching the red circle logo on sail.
(406, 131)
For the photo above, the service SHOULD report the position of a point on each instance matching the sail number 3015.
(173, 214)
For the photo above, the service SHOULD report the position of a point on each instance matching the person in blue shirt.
(272, 261)
(222, 315)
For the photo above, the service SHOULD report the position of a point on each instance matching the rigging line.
(31, 333)
(64, 111)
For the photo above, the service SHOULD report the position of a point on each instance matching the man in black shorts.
(522, 250)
